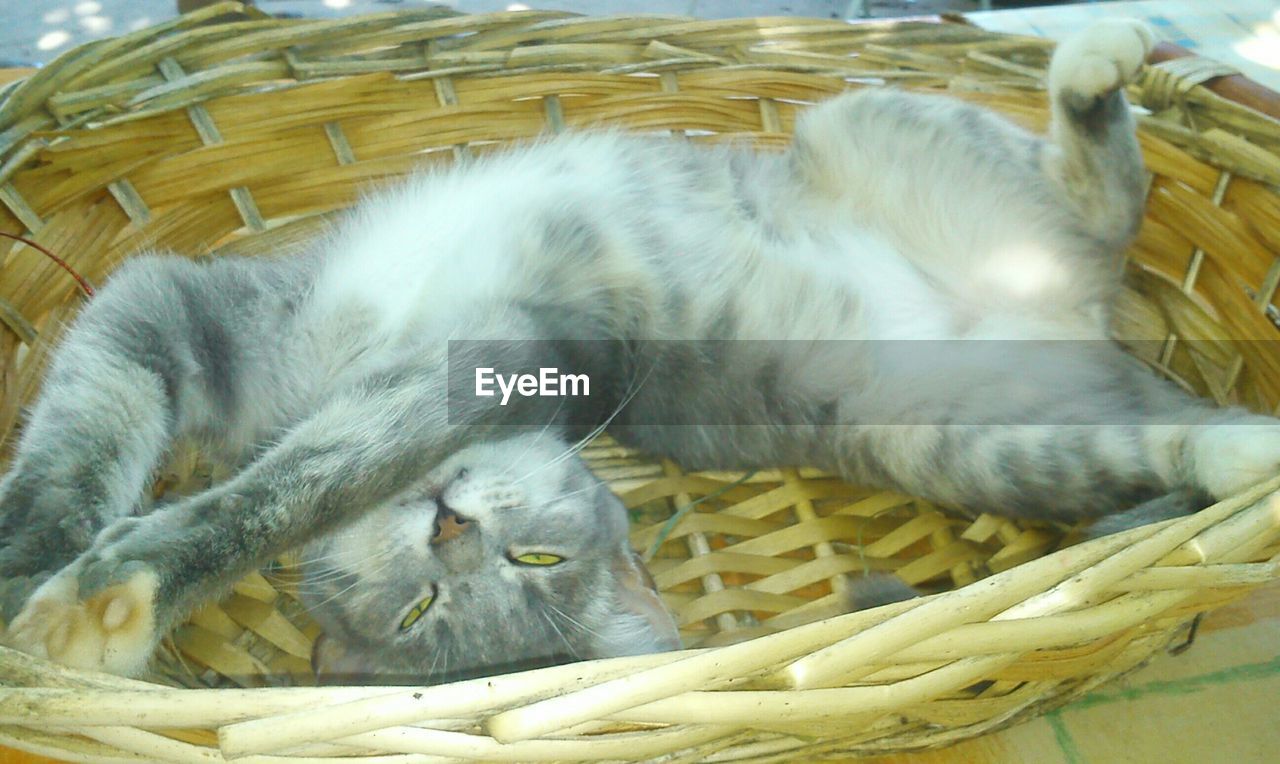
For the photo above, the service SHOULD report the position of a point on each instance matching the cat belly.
(853, 286)
(398, 287)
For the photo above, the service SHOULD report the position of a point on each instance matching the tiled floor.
(1213, 704)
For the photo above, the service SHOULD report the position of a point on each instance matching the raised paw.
(113, 629)
(1232, 457)
(1100, 60)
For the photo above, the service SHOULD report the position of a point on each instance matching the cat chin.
(333, 662)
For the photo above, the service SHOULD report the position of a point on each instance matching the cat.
(915, 295)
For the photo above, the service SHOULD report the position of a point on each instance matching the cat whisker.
(356, 580)
(327, 573)
(559, 405)
(435, 658)
(556, 628)
(553, 499)
(322, 560)
(337, 553)
(581, 627)
(633, 389)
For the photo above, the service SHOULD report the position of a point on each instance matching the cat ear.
(335, 663)
(635, 620)
(640, 622)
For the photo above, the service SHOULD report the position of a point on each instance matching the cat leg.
(1064, 473)
(1096, 160)
(1093, 155)
(1079, 431)
(154, 356)
(1053, 472)
(948, 179)
(109, 608)
(104, 417)
(959, 192)
(1237, 452)
(979, 203)
(945, 181)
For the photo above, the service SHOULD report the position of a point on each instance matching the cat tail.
(875, 589)
(1175, 504)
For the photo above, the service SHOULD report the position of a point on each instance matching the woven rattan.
(226, 131)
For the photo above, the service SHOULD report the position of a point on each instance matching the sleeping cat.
(915, 295)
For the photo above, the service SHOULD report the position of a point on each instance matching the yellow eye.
(417, 612)
(539, 558)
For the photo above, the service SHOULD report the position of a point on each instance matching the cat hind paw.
(1099, 60)
(111, 630)
(1231, 458)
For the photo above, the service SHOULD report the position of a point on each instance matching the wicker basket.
(227, 131)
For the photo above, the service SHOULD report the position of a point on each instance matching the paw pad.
(1101, 59)
(112, 630)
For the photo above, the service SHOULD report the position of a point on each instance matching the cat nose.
(449, 525)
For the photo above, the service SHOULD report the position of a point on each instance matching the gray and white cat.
(916, 295)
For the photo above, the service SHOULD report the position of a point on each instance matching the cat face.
(510, 555)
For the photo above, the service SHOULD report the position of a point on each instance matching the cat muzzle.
(449, 525)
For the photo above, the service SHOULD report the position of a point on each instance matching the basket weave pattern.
(229, 132)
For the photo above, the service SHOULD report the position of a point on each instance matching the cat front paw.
(1099, 60)
(1228, 458)
(112, 628)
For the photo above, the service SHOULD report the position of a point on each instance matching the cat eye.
(412, 617)
(538, 558)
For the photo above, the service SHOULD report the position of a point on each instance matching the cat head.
(510, 555)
